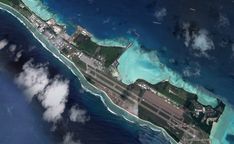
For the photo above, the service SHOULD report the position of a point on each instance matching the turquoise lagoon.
(84, 83)
(136, 63)
(223, 128)
(41, 10)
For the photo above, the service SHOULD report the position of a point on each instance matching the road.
(107, 82)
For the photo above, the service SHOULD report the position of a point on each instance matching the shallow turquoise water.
(157, 134)
(148, 68)
(224, 127)
(41, 10)
(135, 63)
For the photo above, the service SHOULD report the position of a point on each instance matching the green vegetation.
(86, 45)
(25, 11)
(89, 79)
(105, 54)
(147, 115)
(11, 2)
(178, 95)
(110, 54)
(16, 4)
(79, 63)
(8, 2)
(188, 118)
(65, 51)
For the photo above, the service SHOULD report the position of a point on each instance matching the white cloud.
(33, 79)
(3, 43)
(106, 20)
(68, 139)
(186, 34)
(52, 93)
(54, 98)
(18, 56)
(223, 21)
(202, 42)
(12, 48)
(160, 13)
(199, 41)
(78, 115)
(232, 49)
(191, 71)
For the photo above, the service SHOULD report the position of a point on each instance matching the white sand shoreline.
(214, 128)
(113, 108)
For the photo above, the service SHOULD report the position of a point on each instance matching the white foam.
(105, 99)
(39, 9)
(135, 64)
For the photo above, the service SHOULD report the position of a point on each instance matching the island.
(174, 109)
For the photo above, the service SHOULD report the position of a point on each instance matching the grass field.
(147, 115)
(110, 54)
(11, 2)
(6, 2)
(15, 4)
(178, 95)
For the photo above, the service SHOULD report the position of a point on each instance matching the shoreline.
(204, 96)
(87, 86)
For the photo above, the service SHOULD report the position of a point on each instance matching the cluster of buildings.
(205, 114)
(160, 106)
(57, 35)
(147, 87)
(54, 32)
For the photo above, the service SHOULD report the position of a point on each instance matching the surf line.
(110, 105)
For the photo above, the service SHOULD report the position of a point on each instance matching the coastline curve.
(87, 86)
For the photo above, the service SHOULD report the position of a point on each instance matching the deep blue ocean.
(213, 68)
(157, 24)
(21, 120)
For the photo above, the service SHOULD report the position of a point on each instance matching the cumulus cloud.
(186, 34)
(197, 39)
(202, 42)
(18, 56)
(223, 21)
(68, 139)
(54, 98)
(3, 43)
(78, 115)
(160, 13)
(106, 20)
(190, 71)
(12, 48)
(232, 49)
(33, 79)
(52, 93)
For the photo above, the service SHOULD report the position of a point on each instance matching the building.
(51, 22)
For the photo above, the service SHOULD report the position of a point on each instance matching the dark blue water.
(21, 121)
(126, 18)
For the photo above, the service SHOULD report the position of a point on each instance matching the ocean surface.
(189, 43)
(23, 117)
(127, 19)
